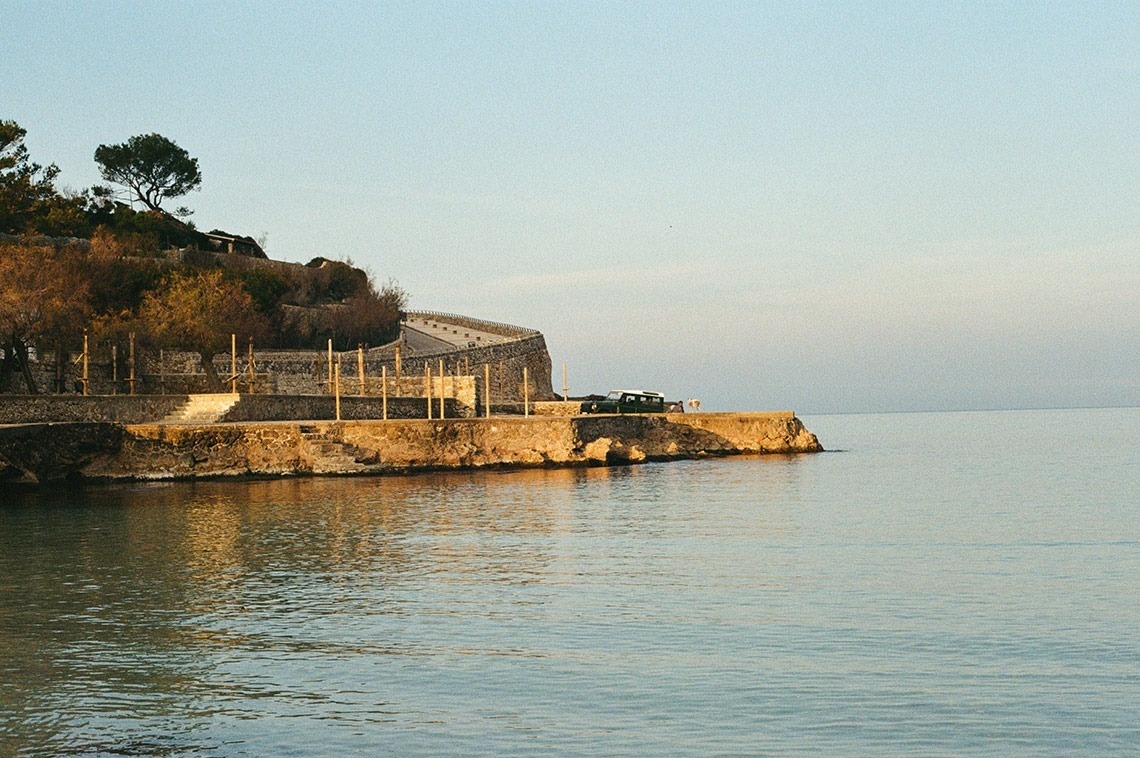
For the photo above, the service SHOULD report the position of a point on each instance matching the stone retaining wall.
(301, 372)
(254, 408)
(145, 409)
(505, 361)
(122, 409)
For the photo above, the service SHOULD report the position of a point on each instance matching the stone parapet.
(494, 327)
(255, 408)
(122, 409)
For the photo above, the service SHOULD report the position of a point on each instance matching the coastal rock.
(37, 453)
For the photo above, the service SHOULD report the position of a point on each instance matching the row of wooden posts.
(334, 384)
(334, 376)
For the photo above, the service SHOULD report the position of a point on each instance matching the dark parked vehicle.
(627, 401)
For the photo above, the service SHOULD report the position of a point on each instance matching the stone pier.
(35, 453)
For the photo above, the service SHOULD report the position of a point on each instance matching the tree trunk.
(6, 370)
(20, 350)
(213, 382)
(59, 388)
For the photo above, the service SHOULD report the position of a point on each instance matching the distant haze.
(833, 207)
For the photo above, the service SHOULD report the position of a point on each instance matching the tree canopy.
(151, 166)
(43, 298)
(200, 311)
(29, 201)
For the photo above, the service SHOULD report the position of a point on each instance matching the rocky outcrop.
(35, 453)
(186, 451)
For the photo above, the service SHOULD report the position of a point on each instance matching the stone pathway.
(445, 336)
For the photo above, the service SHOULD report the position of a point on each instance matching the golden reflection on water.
(177, 578)
(446, 526)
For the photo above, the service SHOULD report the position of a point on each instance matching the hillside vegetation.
(76, 261)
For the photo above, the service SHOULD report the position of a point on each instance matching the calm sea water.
(951, 584)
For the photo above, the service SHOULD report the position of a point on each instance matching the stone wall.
(146, 409)
(253, 408)
(123, 409)
(305, 372)
(504, 363)
(556, 408)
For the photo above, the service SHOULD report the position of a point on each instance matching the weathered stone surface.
(35, 453)
(182, 451)
(123, 409)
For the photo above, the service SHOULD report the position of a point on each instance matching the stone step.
(203, 409)
(329, 456)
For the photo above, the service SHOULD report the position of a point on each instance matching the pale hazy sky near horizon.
(827, 207)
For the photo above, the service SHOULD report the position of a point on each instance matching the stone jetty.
(108, 451)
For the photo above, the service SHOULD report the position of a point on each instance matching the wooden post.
(565, 388)
(131, 381)
(526, 393)
(336, 385)
(427, 383)
(360, 365)
(114, 369)
(487, 389)
(233, 363)
(442, 392)
(330, 368)
(384, 391)
(397, 364)
(85, 362)
(252, 374)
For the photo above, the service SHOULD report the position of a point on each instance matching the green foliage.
(151, 166)
(120, 285)
(29, 201)
(335, 281)
(166, 231)
(265, 287)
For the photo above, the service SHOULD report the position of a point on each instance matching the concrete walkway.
(425, 335)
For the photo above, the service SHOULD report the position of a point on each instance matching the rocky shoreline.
(100, 451)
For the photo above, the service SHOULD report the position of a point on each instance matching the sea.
(934, 584)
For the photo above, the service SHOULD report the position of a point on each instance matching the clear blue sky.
(817, 206)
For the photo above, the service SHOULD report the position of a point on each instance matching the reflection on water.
(898, 600)
(164, 609)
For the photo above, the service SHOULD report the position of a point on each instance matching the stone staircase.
(203, 409)
(328, 456)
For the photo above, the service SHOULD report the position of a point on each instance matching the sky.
(823, 207)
